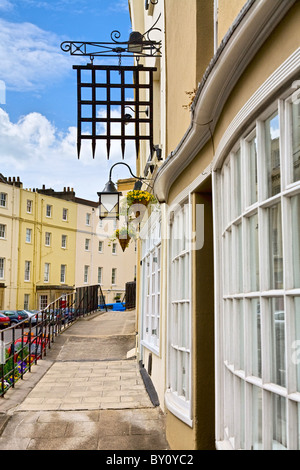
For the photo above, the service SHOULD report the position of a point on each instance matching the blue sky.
(38, 113)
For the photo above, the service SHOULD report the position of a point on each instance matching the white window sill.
(151, 347)
(178, 407)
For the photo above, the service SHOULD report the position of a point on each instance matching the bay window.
(178, 395)
(151, 268)
(258, 234)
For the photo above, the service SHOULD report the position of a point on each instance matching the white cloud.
(38, 153)
(30, 57)
(5, 5)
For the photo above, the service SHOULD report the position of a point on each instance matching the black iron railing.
(22, 345)
(130, 295)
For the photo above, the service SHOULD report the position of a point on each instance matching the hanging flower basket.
(139, 197)
(135, 198)
(124, 236)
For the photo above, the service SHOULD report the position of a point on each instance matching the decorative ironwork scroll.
(138, 45)
(104, 92)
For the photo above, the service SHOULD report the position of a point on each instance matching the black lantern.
(109, 201)
(135, 43)
(109, 198)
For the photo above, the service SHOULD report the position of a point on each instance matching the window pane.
(252, 155)
(239, 256)
(279, 423)
(272, 154)
(277, 329)
(237, 202)
(275, 248)
(240, 321)
(253, 253)
(296, 140)
(295, 204)
(296, 345)
(256, 418)
(256, 337)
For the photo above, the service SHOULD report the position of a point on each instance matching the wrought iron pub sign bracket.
(101, 91)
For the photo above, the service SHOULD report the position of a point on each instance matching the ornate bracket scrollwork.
(148, 47)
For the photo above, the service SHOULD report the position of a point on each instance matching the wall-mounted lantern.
(109, 198)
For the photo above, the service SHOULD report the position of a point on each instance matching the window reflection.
(296, 140)
(256, 337)
(295, 205)
(279, 423)
(275, 248)
(256, 418)
(272, 154)
(278, 366)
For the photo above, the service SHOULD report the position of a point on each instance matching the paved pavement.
(87, 394)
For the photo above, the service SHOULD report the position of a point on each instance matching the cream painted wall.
(189, 49)
(228, 10)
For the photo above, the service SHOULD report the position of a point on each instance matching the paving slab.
(86, 394)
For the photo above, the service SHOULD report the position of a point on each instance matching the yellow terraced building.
(52, 242)
(47, 240)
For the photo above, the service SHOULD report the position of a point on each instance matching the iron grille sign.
(104, 94)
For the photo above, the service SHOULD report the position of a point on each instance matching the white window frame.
(65, 214)
(47, 238)
(87, 244)
(151, 286)
(27, 271)
(63, 269)
(176, 402)
(88, 219)
(28, 235)
(64, 241)
(46, 272)
(100, 246)
(49, 210)
(114, 276)
(238, 385)
(3, 199)
(86, 274)
(43, 301)
(2, 268)
(114, 249)
(29, 206)
(26, 301)
(2, 231)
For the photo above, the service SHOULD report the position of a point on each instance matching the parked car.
(25, 316)
(16, 317)
(34, 316)
(4, 321)
(38, 345)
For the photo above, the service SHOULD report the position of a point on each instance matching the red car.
(38, 345)
(4, 321)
